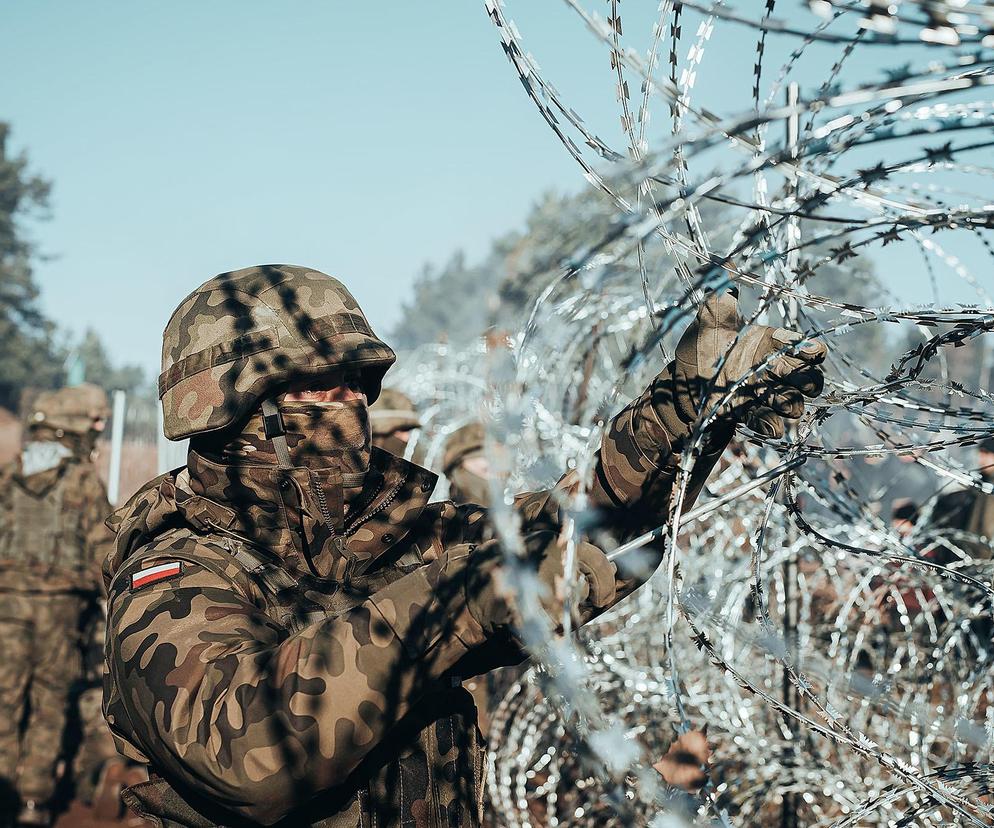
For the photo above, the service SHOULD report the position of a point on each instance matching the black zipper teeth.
(369, 516)
(322, 503)
(358, 513)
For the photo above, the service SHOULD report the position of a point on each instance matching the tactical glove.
(488, 596)
(694, 383)
(598, 581)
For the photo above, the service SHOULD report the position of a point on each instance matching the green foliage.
(459, 301)
(32, 351)
(449, 303)
(29, 354)
(98, 368)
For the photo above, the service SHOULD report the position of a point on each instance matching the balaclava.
(318, 436)
(466, 486)
(314, 435)
(46, 447)
(324, 450)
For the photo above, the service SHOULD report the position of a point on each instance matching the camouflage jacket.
(52, 532)
(266, 685)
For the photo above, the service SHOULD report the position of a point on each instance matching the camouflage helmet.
(241, 335)
(393, 411)
(71, 410)
(461, 442)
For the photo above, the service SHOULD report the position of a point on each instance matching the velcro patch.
(155, 573)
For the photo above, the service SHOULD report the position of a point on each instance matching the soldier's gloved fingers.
(537, 542)
(766, 422)
(787, 365)
(810, 382)
(812, 352)
(600, 574)
(546, 556)
(787, 402)
(751, 394)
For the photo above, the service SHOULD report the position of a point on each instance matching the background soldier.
(970, 510)
(289, 615)
(467, 466)
(52, 540)
(393, 418)
(467, 469)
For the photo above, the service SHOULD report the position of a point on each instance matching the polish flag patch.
(155, 573)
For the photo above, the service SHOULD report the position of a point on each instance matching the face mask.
(318, 435)
(321, 449)
(37, 457)
(466, 487)
(317, 431)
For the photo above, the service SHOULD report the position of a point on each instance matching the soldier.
(289, 617)
(467, 469)
(52, 539)
(394, 419)
(970, 511)
(466, 465)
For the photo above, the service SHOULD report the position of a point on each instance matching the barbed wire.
(840, 663)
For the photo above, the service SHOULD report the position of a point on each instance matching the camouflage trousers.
(96, 746)
(39, 663)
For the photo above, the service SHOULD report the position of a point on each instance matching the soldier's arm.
(635, 469)
(233, 706)
(98, 537)
(637, 466)
(730, 372)
(724, 370)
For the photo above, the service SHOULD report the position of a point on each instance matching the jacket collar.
(279, 511)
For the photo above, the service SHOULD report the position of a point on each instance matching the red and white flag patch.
(155, 573)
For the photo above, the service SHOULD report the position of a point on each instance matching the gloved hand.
(692, 385)
(598, 575)
(492, 604)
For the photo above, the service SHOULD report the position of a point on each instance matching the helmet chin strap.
(272, 422)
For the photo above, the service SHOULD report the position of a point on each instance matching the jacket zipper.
(322, 500)
(363, 519)
(350, 529)
(358, 513)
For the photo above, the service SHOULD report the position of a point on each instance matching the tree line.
(35, 353)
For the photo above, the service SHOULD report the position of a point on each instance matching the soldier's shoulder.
(175, 557)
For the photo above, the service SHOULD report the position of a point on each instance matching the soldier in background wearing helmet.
(969, 511)
(466, 466)
(393, 420)
(52, 541)
(289, 616)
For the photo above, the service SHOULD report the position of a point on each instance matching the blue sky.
(187, 138)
